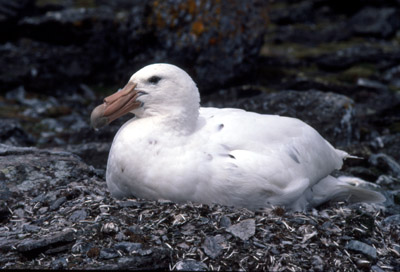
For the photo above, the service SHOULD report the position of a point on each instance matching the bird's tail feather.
(343, 189)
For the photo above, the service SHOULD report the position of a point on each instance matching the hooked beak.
(115, 106)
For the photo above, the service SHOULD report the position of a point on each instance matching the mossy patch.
(363, 70)
(77, 3)
(395, 127)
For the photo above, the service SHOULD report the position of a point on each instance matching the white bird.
(174, 149)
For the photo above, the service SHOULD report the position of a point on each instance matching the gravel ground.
(66, 219)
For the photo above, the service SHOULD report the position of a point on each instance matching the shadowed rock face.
(197, 34)
(63, 44)
(324, 62)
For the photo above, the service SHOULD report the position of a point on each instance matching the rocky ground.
(333, 64)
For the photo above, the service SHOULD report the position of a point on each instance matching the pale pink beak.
(115, 106)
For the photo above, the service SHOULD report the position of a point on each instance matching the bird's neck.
(178, 121)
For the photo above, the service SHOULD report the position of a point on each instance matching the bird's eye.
(154, 79)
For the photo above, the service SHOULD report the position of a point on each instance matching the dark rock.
(57, 203)
(71, 45)
(388, 144)
(392, 76)
(40, 198)
(385, 163)
(198, 36)
(370, 21)
(397, 249)
(225, 222)
(299, 13)
(378, 112)
(35, 247)
(31, 228)
(392, 203)
(144, 252)
(5, 213)
(26, 164)
(7, 244)
(363, 264)
(68, 26)
(361, 247)
(334, 33)
(36, 107)
(372, 84)
(59, 264)
(12, 133)
(128, 247)
(387, 181)
(5, 194)
(95, 154)
(44, 65)
(376, 268)
(392, 220)
(307, 84)
(78, 215)
(318, 263)
(344, 59)
(19, 213)
(108, 253)
(135, 229)
(88, 93)
(212, 246)
(244, 229)
(120, 236)
(10, 12)
(190, 265)
(158, 260)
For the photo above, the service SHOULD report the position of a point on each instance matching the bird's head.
(157, 89)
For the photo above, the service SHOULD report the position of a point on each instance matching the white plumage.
(173, 149)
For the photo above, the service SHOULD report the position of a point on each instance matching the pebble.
(212, 247)
(31, 228)
(376, 268)
(392, 220)
(109, 228)
(78, 215)
(120, 236)
(318, 263)
(135, 229)
(59, 264)
(190, 265)
(243, 230)
(361, 247)
(225, 222)
(43, 210)
(40, 245)
(384, 161)
(108, 253)
(57, 203)
(379, 22)
(128, 247)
